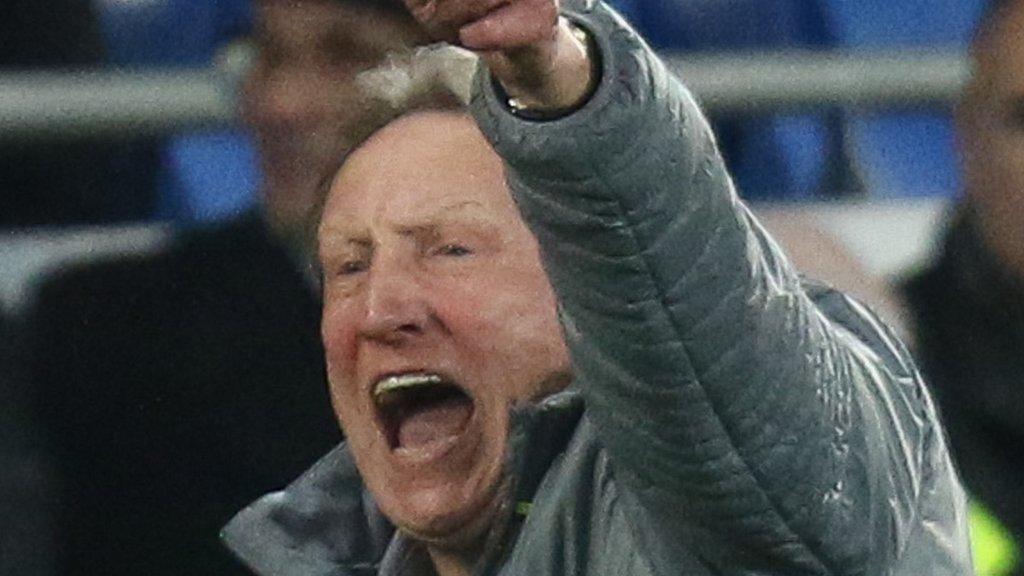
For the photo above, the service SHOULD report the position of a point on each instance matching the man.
(722, 417)
(178, 385)
(969, 305)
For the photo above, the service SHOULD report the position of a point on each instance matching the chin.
(450, 508)
(440, 517)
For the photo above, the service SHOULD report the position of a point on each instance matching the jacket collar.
(326, 522)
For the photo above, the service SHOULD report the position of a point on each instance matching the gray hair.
(406, 79)
(436, 77)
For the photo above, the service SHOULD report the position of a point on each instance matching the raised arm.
(777, 428)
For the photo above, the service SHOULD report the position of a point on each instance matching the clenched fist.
(528, 48)
(488, 25)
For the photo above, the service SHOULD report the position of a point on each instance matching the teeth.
(404, 382)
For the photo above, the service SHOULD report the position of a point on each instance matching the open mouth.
(420, 410)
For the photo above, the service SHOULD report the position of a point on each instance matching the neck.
(464, 556)
(453, 562)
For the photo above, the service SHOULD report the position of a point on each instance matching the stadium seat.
(201, 177)
(773, 157)
(903, 153)
(175, 33)
(729, 24)
(208, 177)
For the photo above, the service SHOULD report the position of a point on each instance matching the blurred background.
(123, 114)
(155, 166)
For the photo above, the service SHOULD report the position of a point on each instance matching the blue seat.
(205, 176)
(903, 153)
(705, 25)
(209, 176)
(870, 24)
(771, 157)
(175, 33)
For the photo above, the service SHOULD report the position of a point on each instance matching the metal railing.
(786, 81)
(120, 104)
(68, 105)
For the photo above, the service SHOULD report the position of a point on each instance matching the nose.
(396, 309)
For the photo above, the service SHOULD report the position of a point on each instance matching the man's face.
(299, 99)
(438, 318)
(991, 121)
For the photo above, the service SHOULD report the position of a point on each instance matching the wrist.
(549, 81)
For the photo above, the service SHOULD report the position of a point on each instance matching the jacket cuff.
(615, 111)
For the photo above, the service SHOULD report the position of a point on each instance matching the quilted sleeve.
(743, 418)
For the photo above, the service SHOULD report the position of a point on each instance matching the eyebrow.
(427, 223)
(445, 213)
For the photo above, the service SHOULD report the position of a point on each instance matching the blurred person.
(968, 306)
(175, 386)
(611, 370)
(299, 100)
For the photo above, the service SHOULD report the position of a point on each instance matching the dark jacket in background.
(969, 318)
(174, 388)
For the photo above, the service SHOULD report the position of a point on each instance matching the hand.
(528, 48)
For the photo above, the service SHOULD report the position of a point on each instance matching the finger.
(442, 19)
(518, 24)
(458, 13)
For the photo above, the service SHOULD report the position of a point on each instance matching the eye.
(351, 267)
(451, 249)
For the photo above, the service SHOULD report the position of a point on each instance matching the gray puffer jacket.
(727, 418)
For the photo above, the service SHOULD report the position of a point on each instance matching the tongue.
(433, 421)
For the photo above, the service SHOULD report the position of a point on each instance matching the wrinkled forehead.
(414, 166)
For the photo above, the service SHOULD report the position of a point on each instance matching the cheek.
(539, 331)
(338, 334)
(511, 317)
(339, 339)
